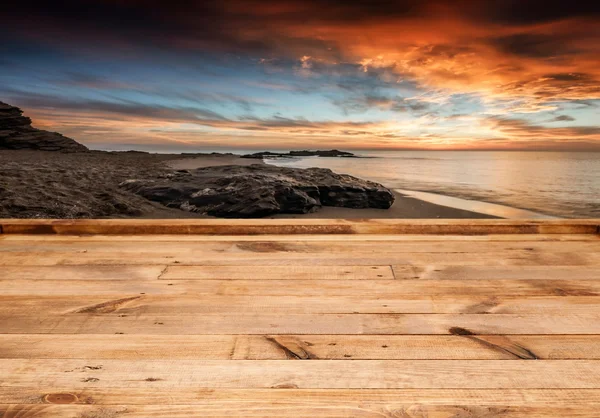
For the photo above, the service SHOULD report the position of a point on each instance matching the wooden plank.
(261, 401)
(496, 272)
(393, 409)
(489, 288)
(333, 374)
(135, 303)
(500, 258)
(295, 273)
(300, 237)
(253, 324)
(296, 226)
(300, 347)
(97, 272)
(201, 248)
(123, 326)
(145, 272)
(404, 271)
(279, 273)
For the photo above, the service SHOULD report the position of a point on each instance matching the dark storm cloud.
(160, 15)
(519, 12)
(272, 28)
(569, 77)
(533, 45)
(153, 23)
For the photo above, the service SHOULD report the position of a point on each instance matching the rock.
(17, 133)
(305, 153)
(330, 153)
(260, 190)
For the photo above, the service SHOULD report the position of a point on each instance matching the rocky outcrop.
(260, 190)
(17, 133)
(305, 153)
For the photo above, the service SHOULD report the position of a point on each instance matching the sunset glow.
(409, 74)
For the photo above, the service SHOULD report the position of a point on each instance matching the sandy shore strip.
(403, 208)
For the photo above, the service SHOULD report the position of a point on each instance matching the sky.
(183, 75)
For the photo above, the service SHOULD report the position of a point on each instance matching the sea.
(509, 184)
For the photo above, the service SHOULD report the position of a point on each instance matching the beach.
(404, 207)
(508, 184)
(38, 184)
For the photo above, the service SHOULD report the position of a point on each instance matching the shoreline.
(405, 207)
(460, 200)
(41, 184)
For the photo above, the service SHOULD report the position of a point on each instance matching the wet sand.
(404, 207)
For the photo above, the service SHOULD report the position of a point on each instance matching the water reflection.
(564, 184)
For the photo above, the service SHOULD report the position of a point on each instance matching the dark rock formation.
(16, 133)
(260, 190)
(305, 153)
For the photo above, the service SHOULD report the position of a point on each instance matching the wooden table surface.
(288, 318)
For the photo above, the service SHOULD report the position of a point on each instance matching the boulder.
(260, 190)
(17, 133)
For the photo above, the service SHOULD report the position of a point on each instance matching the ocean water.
(555, 184)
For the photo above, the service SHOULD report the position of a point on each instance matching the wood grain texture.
(339, 324)
(298, 246)
(301, 347)
(262, 400)
(333, 374)
(517, 257)
(38, 238)
(99, 272)
(309, 286)
(328, 302)
(337, 318)
(290, 409)
(296, 226)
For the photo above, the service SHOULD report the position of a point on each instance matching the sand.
(404, 207)
(38, 184)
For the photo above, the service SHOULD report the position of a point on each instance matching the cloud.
(406, 56)
(114, 110)
(563, 118)
(532, 45)
(364, 103)
(519, 129)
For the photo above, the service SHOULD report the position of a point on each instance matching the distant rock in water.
(260, 190)
(305, 153)
(16, 133)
